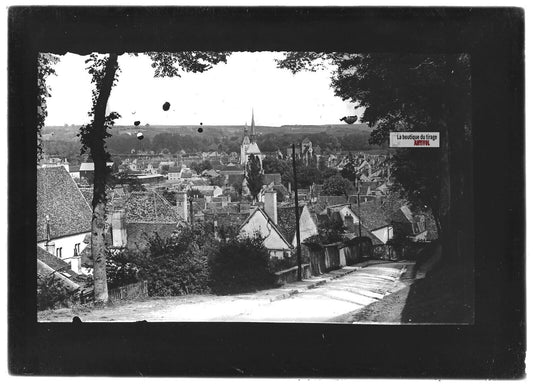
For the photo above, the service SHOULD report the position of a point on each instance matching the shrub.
(176, 265)
(121, 269)
(336, 185)
(279, 264)
(51, 293)
(240, 265)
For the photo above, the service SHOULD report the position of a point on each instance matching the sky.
(224, 95)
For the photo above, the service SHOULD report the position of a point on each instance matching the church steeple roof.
(252, 128)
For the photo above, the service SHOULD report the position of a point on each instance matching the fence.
(323, 258)
(291, 275)
(131, 291)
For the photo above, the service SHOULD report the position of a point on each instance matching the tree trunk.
(445, 214)
(100, 156)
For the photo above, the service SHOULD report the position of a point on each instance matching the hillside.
(68, 133)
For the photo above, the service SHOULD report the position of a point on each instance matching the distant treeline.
(267, 143)
(124, 144)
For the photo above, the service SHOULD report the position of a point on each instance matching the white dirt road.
(346, 294)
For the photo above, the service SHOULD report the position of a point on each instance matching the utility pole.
(358, 213)
(191, 210)
(358, 203)
(297, 212)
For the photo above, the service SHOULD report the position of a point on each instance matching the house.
(74, 172)
(48, 264)
(354, 227)
(63, 215)
(87, 170)
(411, 226)
(324, 201)
(308, 223)
(214, 191)
(210, 173)
(174, 173)
(54, 162)
(376, 216)
(258, 222)
(144, 214)
(233, 177)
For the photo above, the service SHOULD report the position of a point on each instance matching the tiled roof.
(110, 193)
(90, 166)
(374, 214)
(51, 260)
(324, 201)
(59, 197)
(149, 207)
(364, 233)
(287, 221)
(281, 189)
(403, 215)
(228, 219)
(57, 264)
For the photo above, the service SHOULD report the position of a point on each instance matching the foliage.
(172, 64)
(169, 196)
(176, 265)
(120, 270)
(240, 265)
(348, 171)
(195, 193)
(218, 180)
(336, 185)
(330, 230)
(254, 176)
(104, 71)
(281, 193)
(238, 190)
(279, 264)
(217, 140)
(307, 175)
(93, 138)
(45, 68)
(51, 293)
(125, 178)
(414, 170)
(61, 149)
(203, 165)
(274, 165)
(414, 92)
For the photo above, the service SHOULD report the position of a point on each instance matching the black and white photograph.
(240, 182)
(254, 186)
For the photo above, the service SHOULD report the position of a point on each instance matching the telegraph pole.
(358, 213)
(297, 212)
(191, 209)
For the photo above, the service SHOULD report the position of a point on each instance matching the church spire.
(252, 128)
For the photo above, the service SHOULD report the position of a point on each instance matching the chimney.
(271, 205)
(50, 247)
(181, 204)
(349, 223)
(118, 225)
